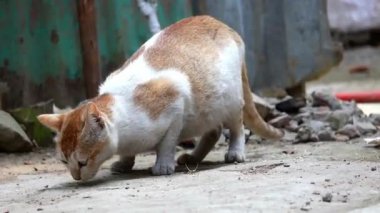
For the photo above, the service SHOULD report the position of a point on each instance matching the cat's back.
(200, 48)
(200, 38)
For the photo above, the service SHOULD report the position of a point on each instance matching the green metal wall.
(40, 54)
(122, 28)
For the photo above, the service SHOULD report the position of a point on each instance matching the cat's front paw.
(163, 168)
(234, 156)
(121, 167)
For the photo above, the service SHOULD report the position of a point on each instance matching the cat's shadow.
(105, 178)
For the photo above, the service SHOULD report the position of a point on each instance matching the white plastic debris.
(373, 140)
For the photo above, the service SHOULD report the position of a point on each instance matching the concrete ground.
(277, 177)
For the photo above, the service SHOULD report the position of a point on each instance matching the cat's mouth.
(83, 173)
(76, 174)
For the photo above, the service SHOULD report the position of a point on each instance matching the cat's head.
(84, 138)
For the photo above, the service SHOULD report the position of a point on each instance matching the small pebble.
(40, 209)
(373, 168)
(27, 163)
(327, 197)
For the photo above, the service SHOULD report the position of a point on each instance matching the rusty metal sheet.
(40, 51)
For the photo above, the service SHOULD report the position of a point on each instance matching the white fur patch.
(138, 133)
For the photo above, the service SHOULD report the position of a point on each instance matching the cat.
(188, 80)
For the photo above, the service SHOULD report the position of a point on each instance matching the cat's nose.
(75, 174)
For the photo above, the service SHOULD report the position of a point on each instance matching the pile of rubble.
(319, 117)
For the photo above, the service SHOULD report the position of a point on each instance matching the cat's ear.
(94, 118)
(51, 121)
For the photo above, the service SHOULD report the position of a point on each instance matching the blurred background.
(56, 53)
(304, 57)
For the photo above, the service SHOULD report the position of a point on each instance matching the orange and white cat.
(188, 80)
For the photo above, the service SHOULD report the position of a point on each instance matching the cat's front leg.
(123, 165)
(165, 161)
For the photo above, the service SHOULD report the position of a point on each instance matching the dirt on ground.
(277, 177)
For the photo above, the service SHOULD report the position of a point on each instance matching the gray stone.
(375, 119)
(317, 126)
(262, 106)
(302, 117)
(327, 197)
(12, 136)
(292, 126)
(320, 113)
(364, 125)
(255, 138)
(353, 108)
(306, 109)
(306, 134)
(326, 135)
(289, 137)
(349, 130)
(291, 105)
(280, 121)
(325, 98)
(339, 119)
(339, 137)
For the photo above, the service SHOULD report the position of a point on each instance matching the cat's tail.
(252, 118)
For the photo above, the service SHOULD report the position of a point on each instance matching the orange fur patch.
(155, 96)
(185, 45)
(71, 129)
(73, 122)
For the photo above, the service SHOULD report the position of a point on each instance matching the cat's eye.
(64, 162)
(82, 163)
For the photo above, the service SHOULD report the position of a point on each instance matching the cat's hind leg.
(207, 142)
(123, 165)
(236, 147)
